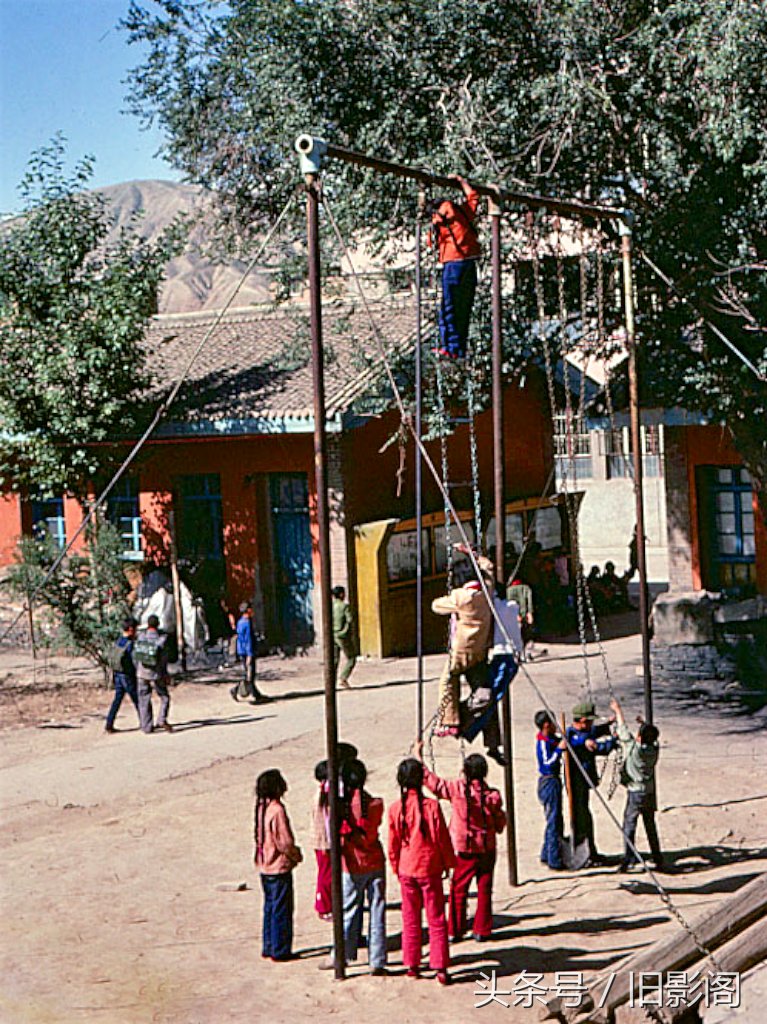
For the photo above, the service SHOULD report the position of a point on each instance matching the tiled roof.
(256, 365)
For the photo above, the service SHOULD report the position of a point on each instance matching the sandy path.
(114, 847)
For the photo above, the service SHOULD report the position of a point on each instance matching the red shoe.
(413, 972)
(443, 977)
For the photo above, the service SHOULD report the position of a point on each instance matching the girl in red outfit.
(477, 817)
(320, 827)
(276, 856)
(420, 852)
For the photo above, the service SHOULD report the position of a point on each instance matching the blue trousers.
(500, 673)
(354, 888)
(277, 932)
(459, 283)
(123, 684)
(550, 795)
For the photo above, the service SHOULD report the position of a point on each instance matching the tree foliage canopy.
(656, 105)
(72, 315)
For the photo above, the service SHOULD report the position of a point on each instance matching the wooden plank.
(739, 954)
(714, 928)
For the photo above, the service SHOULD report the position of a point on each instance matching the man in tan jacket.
(471, 632)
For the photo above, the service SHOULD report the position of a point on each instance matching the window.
(48, 517)
(123, 512)
(201, 534)
(728, 528)
(620, 452)
(652, 450)
(572, 449)
(402, 553)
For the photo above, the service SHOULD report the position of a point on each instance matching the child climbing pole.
(455, 238)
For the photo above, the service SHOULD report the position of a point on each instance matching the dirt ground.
(122, 853)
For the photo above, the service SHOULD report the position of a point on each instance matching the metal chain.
(473, 450)
(615, 432)
(534, 240)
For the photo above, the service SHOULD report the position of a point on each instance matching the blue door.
(289, 499)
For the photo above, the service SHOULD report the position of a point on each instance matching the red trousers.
(417, 893)
(323, 903)
(467, 867)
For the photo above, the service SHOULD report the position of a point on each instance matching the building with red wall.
(230, 471)
(716, 530)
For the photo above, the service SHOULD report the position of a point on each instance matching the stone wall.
(697, 636)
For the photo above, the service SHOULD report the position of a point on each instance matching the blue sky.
(62, 64)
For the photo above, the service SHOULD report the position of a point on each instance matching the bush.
(86, 597)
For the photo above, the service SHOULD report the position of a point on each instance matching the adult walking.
(150, 653)
(124, 672)
(246, 652)
(343, 637)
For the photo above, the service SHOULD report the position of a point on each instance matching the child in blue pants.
(549, 748)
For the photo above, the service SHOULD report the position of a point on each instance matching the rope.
(663, 894)
(160, 412)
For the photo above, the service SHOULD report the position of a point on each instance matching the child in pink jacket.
(276, 856)
(420, 852)
(477, 817)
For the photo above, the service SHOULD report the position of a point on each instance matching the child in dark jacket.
(276, 856)
(549, 747)
(420, 852)
(640, 756)
(477, 818)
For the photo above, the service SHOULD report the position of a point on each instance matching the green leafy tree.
(73, 306)
(658, 106)
(85, 601)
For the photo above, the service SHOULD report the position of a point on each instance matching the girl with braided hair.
(275, 857)
(364, 868)
(420, 853)
(477, 818)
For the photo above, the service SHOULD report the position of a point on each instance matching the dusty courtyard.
(122, 854)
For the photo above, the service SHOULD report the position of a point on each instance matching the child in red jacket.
(276, 856)
(477, 817)
(420, 852)
(364, 868)
(454, 236)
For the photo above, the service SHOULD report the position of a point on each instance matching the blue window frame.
(729, 532)
(48, 515)
(123, 512)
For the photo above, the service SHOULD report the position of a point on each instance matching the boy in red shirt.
(454, 236)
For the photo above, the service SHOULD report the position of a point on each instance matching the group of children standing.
(587, 741)
(421, 850)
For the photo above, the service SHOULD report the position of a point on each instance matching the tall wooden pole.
(323, 525)
(419, 475)
(499, 490)
(636, 445)
(176, 582)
